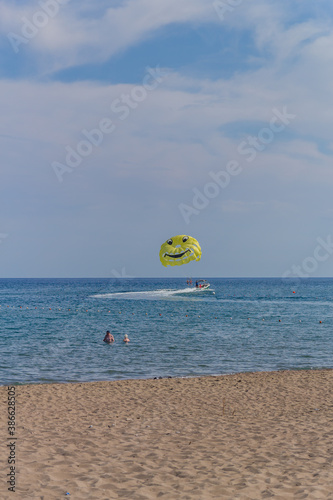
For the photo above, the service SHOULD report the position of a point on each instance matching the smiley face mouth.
(176, 255)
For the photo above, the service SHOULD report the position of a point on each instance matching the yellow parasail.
(179, 250)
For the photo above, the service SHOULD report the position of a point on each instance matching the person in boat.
(108, 338)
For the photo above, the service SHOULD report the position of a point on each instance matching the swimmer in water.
(126, 339)
(108, 338)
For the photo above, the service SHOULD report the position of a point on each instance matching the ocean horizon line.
(125, 278)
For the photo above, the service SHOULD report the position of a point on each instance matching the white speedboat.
(202, 284)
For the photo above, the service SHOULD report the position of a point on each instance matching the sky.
(125, 123)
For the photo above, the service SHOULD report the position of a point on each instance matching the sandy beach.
(244, 436)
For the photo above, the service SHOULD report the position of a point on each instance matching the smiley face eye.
(169, 242)
(185, 238)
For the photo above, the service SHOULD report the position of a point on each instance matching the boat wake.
(155, 294)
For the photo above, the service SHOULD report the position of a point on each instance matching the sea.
(52, 330)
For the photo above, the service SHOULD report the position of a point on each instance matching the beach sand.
(244, 436)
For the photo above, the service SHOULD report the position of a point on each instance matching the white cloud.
(73, 37)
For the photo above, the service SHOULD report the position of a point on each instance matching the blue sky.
(116, 115)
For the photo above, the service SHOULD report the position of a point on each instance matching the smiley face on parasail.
(179, 250)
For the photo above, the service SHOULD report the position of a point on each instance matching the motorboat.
(202, 284)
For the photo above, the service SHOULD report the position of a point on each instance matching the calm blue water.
(51, 330)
